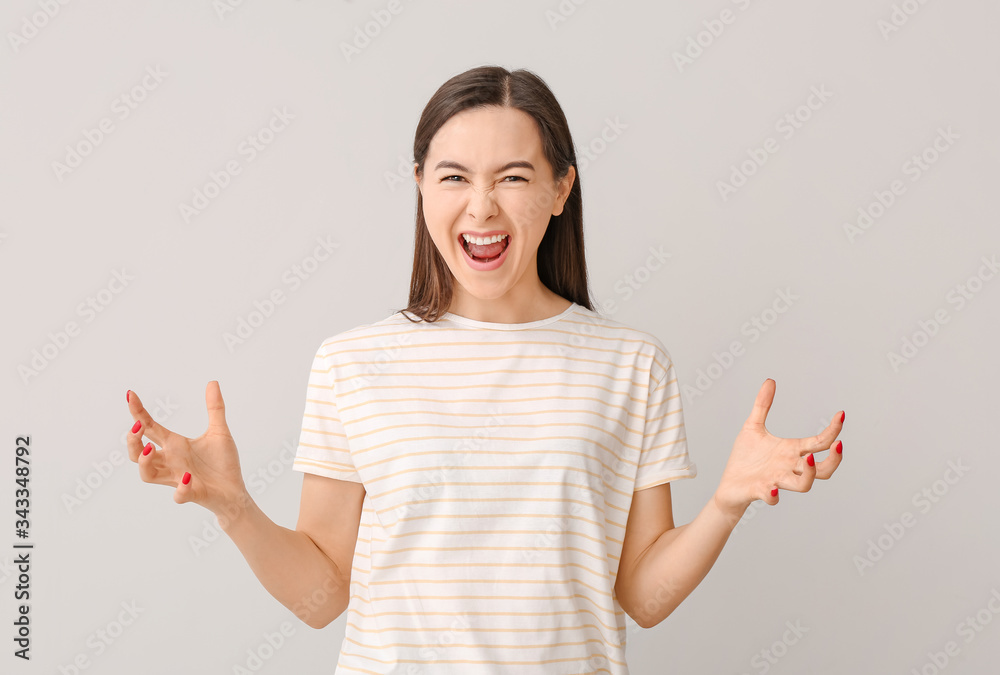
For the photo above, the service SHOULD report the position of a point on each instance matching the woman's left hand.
(760, 463)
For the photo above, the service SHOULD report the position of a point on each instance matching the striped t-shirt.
(499, 462)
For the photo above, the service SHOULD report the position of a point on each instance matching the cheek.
(441, 208)
(440, 225)
(530, 209)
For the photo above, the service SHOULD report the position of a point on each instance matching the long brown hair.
(562, 265)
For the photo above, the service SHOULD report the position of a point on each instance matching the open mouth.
(465, 244)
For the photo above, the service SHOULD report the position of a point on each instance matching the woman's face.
(485, 173)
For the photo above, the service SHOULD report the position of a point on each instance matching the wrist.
(236, 511)
(731, 510)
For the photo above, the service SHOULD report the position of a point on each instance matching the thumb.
(216, 408)
(762, 404)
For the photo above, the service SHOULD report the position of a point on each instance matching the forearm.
(674, 564)
(289, 565)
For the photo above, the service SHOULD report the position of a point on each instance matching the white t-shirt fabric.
(499, 463)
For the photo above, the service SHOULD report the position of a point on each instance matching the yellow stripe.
(619, 450)
(583, 610)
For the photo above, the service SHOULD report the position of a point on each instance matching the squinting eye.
(447, 179)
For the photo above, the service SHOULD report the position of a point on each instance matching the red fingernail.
(136, 426)
(774, 492)
(812, 462)
(127, 392)
(186, 478)
(148, 449)
(840, 446)
(842, 416)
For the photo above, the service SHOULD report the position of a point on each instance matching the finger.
(151, 468)
(147, 425)
(133, 441)
(803, 460)
(762, 404)
(185, 491)
(771, 496)
(825, 438)
(803, 482)
(826, 468)
(800, 465)
(216, 408)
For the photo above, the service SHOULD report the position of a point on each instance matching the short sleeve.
(323, 447)
(664, 454)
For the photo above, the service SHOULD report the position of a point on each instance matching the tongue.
(486, 250)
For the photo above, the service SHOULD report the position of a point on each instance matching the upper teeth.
(482, 241)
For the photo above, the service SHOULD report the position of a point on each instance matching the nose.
(482, 205)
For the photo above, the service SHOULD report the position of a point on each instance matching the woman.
(487, 472)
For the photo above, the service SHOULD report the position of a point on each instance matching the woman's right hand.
(209, 463)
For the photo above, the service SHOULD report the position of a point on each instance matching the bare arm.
(660, 564)
(307, 569)
(666, 572)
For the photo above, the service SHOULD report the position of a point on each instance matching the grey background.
(328, 174)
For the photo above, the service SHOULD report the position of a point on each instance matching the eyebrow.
(517, 164)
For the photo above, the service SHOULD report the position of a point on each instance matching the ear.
(563, 190)
(416, 175)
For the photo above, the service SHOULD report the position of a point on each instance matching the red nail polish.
(840, 447)
(811, 460)
(136, 426)
(127, 392)
(842, 416)
(187, 478)
(774, 492)
(148, 449)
